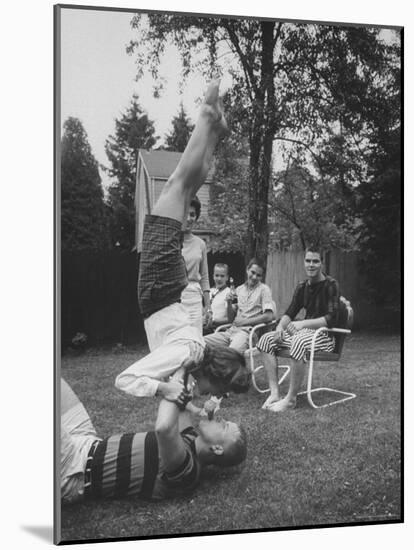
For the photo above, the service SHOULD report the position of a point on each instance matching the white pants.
(192, 300)
(77, 434)
(171, 340)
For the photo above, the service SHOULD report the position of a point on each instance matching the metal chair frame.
(313, 357)
(309, 390)
(252, 351)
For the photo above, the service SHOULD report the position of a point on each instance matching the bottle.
(233, 291)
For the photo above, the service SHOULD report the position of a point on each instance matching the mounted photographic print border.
(338, 466)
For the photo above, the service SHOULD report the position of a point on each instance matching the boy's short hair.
(316, 249)
(235, 452)
(255, 261)
(196, 204)
(222, 266)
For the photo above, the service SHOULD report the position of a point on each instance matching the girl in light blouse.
(194, 252)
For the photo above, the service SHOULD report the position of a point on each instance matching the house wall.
(203, 194)
(204, 197)
(157, 186)
(141, 205)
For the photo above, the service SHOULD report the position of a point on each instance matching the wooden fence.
(99, 295)
(99, 298)
(286, 269)
(99, 292)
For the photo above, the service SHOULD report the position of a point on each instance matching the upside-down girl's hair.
(226, 367)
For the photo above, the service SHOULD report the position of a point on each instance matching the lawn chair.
(252, 354)
(346, 318)
(253, 357)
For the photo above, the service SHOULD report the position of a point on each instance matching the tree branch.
(303, 145)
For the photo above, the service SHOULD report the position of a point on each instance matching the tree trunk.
(261, 144)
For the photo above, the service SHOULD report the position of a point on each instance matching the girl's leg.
(194, 164)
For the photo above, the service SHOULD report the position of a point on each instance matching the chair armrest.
(338, 330)
(223, 327)
(325, 329)
(253, 332)
(255, 328)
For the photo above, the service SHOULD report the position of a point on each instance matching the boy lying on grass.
(152, 465)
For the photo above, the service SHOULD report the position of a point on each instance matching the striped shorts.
(162, 271)
(298, 344)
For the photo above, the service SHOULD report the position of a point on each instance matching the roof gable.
(161, 164)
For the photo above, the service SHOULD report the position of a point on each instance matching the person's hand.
(198, 411)
(231, 296)
(210, 407)
(174, 391)
(278, 334)
(208, 318)
(294, 326)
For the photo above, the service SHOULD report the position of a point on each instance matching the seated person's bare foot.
(283, 405)
(273, 398)
(212, 106)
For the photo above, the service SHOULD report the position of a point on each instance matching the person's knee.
(238, 346)
(299, 338)
(217, 339)
(240, 342)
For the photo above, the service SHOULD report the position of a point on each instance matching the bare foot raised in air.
(213, 108)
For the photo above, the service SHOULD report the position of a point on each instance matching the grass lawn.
(321, 467)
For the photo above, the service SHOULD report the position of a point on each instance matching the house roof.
(161, 164)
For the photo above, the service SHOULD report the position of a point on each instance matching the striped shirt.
(129, 465)
(319, 300)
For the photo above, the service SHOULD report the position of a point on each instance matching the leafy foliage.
(229, 212)
(380, 195)
(83, 221)
(306, 209)
(133, 131)
(292, 82)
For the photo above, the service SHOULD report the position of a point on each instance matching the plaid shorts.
(162, 272)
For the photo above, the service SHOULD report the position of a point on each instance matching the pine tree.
(83, 224)
(289, 81)
(133, 131)
(181, 132)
